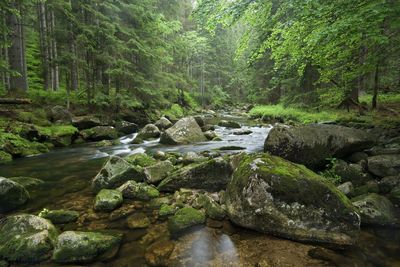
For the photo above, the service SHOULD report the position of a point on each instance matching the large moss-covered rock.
(27, 182)
(115, 172)
(12, 195)
(126, 127)
(184, 219)
(185, 131)
(163, 123)
(59, 114)
(86, 122)
(59, 216)
(384, 165)
(108, 200)
(140, 159)
(350, 172)
(272, 195)
(149, 131)
(158, 171)
(375, 209)
(141, 191)
(312, 144)
(17, 146)
(76, 247)
(26, 238)
(99, 133)
(212, 175)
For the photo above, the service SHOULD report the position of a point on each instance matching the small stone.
(346, 188)
(138, 221)
(141, 191)
(108, 200)
(158, 171)
(59, 216)
(122, 212)
(166, 210)
(184, 219)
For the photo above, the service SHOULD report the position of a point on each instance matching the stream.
(67, 173)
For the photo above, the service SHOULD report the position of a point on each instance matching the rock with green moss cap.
(150, 131)
(158, 171)
(140, 159)
(395, 195)
(12, 195)
(368, 187)
(229, 124)
(115, 172)
(141, 191)
(312, 144)
(99, 133)
(26, 238)
(82, 247)
(163, 123)
(184, 219)
(272, 195)
(20, 147)
(185, 131)
(167, 210)
(5, 157)
(108, 200)
(85, 122)
(375, 209)
(211, 175)
(213, 209)
(27, 182)
(59, 216)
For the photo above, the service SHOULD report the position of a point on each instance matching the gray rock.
(108, 200)
(158, 171)
(312, 144)
(126, 127)
(150, 131)
(185, 131)
(99, 133)
(229, 124)
(200, 120)
(26, 238)
(60, 114)
(272, 195)
(375, 209)
(210, 135)
(12, 195)
(346, 188)
(192, 157)
(357, 157)
(59, 216)
(115, 172)
(351, 172)
(82, 247)
(211, 175)
(384, 165)
(85, 122)
(163, 123)
(141, 191)
(388, 183)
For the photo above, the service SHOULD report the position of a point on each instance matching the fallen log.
(16, 101)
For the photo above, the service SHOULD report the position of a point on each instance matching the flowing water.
(67, 174)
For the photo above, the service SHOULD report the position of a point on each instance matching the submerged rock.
(184, 219)
(375, 209)
(158, 253)
(27, 182)
(108, 200)
(76, 247)
(158, 171)
(384, 165)
(229, 124)
(59, 216)
(211, 175)
(115, 172)
(312, 144)
(185, 131)
(141, 191)
(26, 238)
(12, 195)
(272, 195)
(138, 221)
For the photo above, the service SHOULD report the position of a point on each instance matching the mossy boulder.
(384, 165)
(163, 123)
(26, 238)
(375, 209)
(192, 157)
(140, 159)
(212, 208)
(115, 172)
(126, 127)
(388, 183)
(395, 195)
(27, 182)
(350, 172)
(184, 219)
(108, 200)
(229, 124)
(5, 157)
(59, 216)
(369, 187)
(12, 195)
(59, 135)
(141, 191)
(86, 122)
(99, 133)
(210, 135)
(211, 175)
(82, 247)
(158, 171)
(59, 114)
(312, 144)
(167, 210)
(150, 131)
(272, 195)
(19, 147)
(185, 131)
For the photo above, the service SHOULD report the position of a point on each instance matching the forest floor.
(387, 115)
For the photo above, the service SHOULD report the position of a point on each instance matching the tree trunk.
(17, 62)
(376, 87)
(54, 65)
(44, 48)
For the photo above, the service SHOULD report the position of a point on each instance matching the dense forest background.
(156, 53)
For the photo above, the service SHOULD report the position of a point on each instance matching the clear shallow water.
(67, 174)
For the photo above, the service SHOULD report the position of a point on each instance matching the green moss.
(175, 112)
(166, 210)
(37, 117)
(140, 159)
(5, 157)
(58, 130)
(108, 200)
(59, 216)
(184, 219)
(18, 146)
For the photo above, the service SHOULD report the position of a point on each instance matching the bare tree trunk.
(376, 87)
(45, 57)
(17, 63)
(54, 65)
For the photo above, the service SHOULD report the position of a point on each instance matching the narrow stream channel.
(67, 174)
